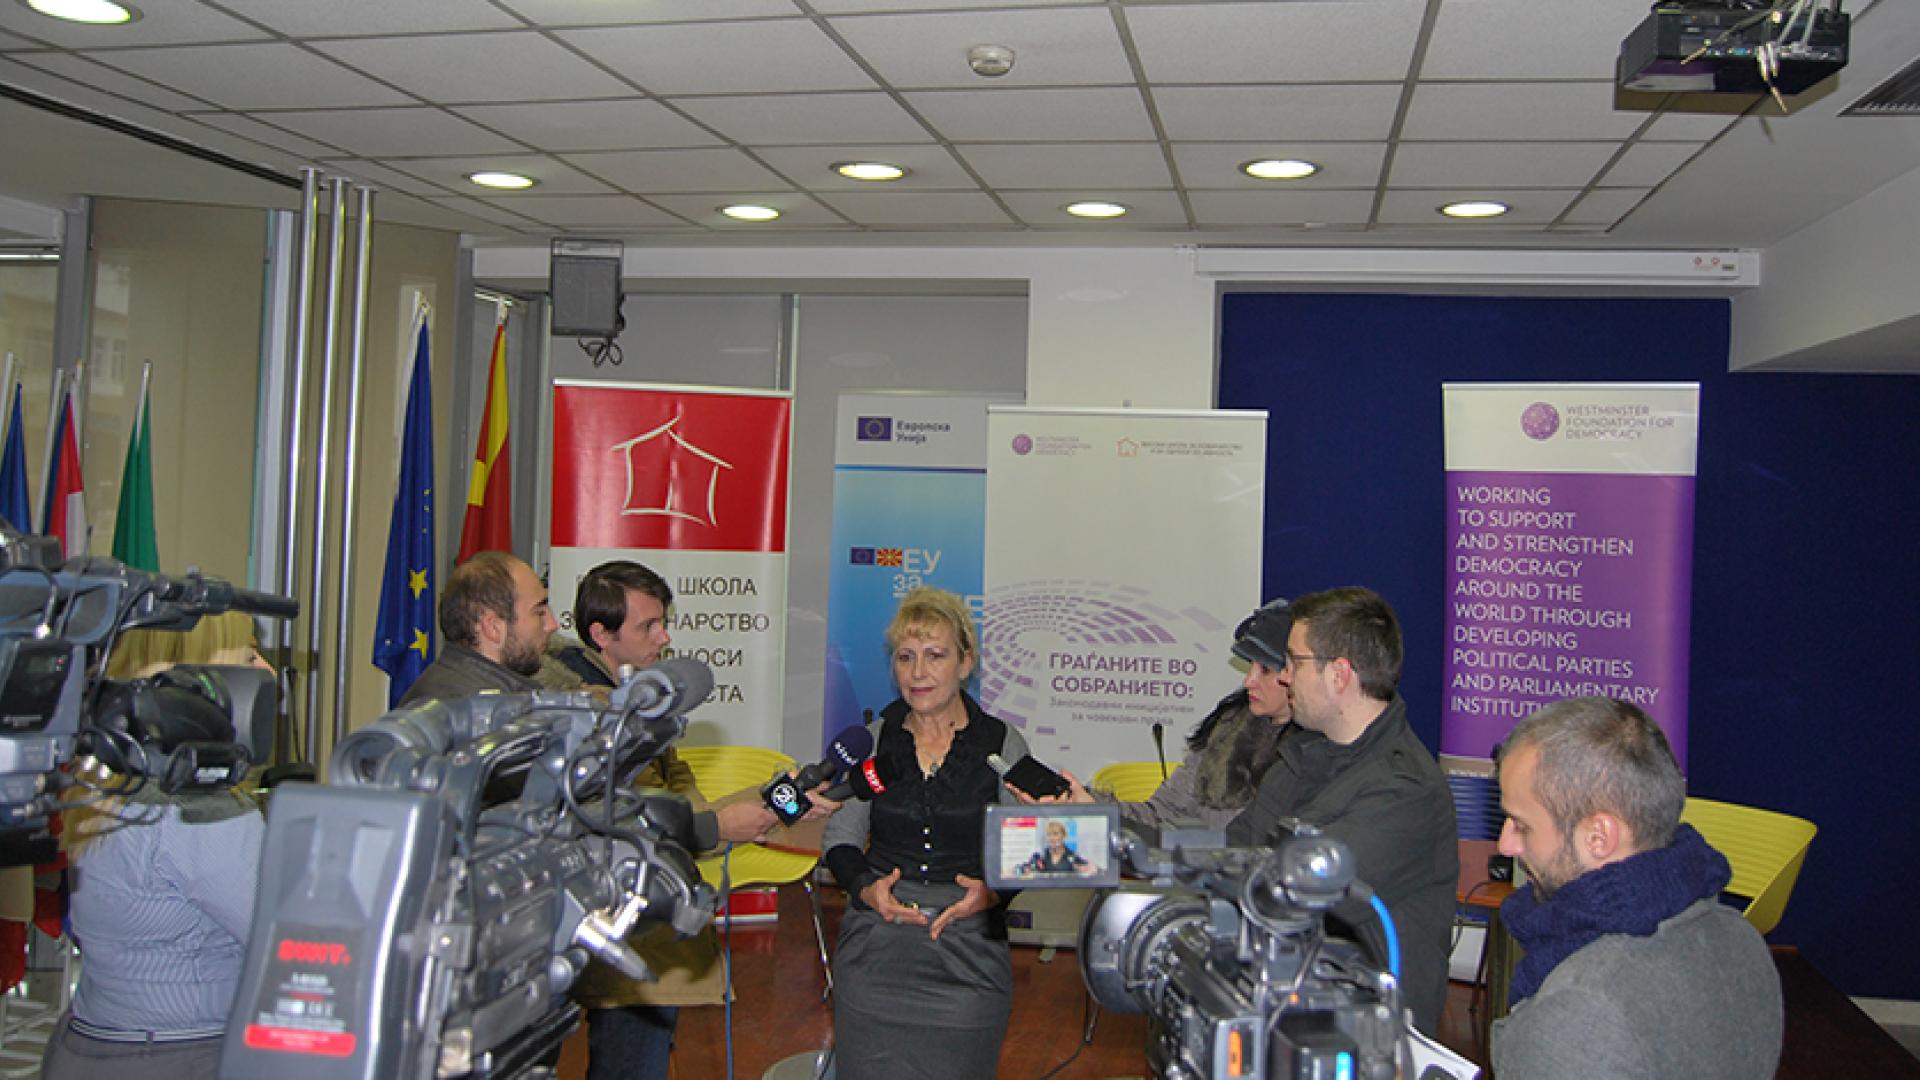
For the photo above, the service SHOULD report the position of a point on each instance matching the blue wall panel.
(1806, 609)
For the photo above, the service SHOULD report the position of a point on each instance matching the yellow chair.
(1130, 781)
(1765, 848)
(720, 771)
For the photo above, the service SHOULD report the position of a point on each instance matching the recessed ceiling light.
(93, 12)
(502, 181)
(1095, 209)
(869, 170)
(1275, 169)
(747, 212)
(1475, 209)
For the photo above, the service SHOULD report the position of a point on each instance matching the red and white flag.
(65, 512)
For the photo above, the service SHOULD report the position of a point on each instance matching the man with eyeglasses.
(1350, 765)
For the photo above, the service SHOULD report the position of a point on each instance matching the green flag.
(134, 542)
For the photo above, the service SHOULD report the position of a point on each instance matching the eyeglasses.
(1295, 659)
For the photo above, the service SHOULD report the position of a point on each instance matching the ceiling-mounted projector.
(1735, 47)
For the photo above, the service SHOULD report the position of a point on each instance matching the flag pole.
(53, 424)
(350, 468)
(8, 383)
(140, 409)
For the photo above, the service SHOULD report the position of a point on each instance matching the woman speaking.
(925, 983)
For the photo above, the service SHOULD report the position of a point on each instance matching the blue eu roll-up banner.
(909, 509)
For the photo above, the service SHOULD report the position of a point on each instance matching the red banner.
(669, 469)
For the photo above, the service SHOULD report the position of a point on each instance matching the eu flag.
(13, 472)
(403, 637)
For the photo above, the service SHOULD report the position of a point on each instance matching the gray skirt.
(907, 1007)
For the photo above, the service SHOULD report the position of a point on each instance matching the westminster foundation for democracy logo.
(1540, 421)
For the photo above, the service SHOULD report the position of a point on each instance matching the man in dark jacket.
(1350, 765)
(495, 622)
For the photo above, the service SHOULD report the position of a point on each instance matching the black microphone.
(868, 780)
(668, 688)
(786, 795)
(1160, 747)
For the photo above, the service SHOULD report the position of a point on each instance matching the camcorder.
(424, 913)
(191, 727)
(1226, 949)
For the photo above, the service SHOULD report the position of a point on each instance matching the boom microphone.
(786, 795)
(668, 688)
(1160, 747)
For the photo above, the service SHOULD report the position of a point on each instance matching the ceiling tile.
(9, 41)
(612, 12)
(304, 18)
(917, 208)
(646, 172)
(486, 211)
(73, 93)
(710, 58)
(930, 167)
(1112, 165)
(629, 124)
(1516, 110)
(1423, 207)
(512, 66)
(160, 23)
(1512, 39)
(1358, 112)
(270, 76)
(1073, 114)
(1047, 209)
(1604, 206)
(1687, 127)
(1065, 47)
(796, 119)
(248, 128)
(1646, 164)
(1217, 165)
(1354, 41)
(586, 211)
(380, 133)
(1471, 164)
(554, 178)
(85, 71)
(377, 175)
(1292, 207)
(841, 7)
(796, 208)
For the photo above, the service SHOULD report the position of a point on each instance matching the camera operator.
(496, 622)
(1350, 764)
(1633, 966)
(163, 894)
(620, 613)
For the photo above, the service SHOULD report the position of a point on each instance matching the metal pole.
(349, 473)
(323, 459)
(140, 410)
(53, 422)
(294, 448)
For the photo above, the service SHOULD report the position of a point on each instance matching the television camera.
(1228, 951)
(190, 727)
(423, 914)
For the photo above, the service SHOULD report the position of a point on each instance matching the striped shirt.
(161, 909)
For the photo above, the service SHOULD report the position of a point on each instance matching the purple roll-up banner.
(1569, 554)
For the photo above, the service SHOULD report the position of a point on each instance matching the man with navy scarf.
(1632, 967)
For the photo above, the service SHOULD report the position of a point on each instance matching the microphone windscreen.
(692, 680)
(851, 747)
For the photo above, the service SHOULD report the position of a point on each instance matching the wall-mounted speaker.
(583, 282)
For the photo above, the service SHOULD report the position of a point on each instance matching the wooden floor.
(779, 1012)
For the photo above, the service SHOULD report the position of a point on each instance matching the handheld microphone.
(1160, 747)
(786, 795)
(867, 780)
(1029, 776)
